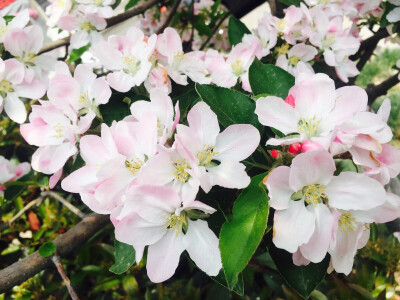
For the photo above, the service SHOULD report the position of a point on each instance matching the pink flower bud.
(290, 100)
(309, 146)
(274, 153)
(294, 148)
(33, 13)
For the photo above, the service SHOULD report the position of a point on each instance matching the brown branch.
(57, 262)
(227, 14)
(171, 15)
(25, 268)
(110, 22)
(374, 91)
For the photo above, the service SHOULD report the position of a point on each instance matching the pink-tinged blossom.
(299, 52)
(24, 45)
(311, 203)
(267, 33)
(291, 25)
(225, 73)
(84, 91)
(128, 57)
(84, 28)
(158, 79)
(56, 10)
(18, 22)
(318, 109)
(178, 64)
(55, 132)
(154, 216)
(13, 87)
(10, 171)
(101, 7)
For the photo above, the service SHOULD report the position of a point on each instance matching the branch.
(57, 261)
(171, 15)
(63, 202)
(110, 22)
(227, 14)
(25, 268)
(7, 224)
(374, 91)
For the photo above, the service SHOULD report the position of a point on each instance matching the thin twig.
(227, 14)
(171, 15)
(64, 202)
(374, 91)
(57, 261)
(7, 224)
(110, 22)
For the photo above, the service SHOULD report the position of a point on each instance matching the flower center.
(283, 49)
(314, 194)
(308, 126)
(3, 30)
(132, 66)
(328, 41)
(180, 170)
(281, 24)
(206, 155)
(28, 58)
(347, 222)
(59, 129)
(6, 87)
(237, 67)
(293, 60)
(83, 98)
(87, 26)
(176, 223)
(177, 59)
(134, 165)
(60, 3)
(98, 2)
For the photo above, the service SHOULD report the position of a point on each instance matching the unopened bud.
(294, 148)
(274, 153)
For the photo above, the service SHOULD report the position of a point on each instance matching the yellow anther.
(134, 165)
(28, 58)
(314, 194)
(131, 65)
(180, 170)
(3, 30)
(59, 129)
(281, 24)
(294, 60)
(177, 59)
(87, 26)
(206, 155)
(6, 87)
(283, 49)
(83, 98)
(308, 126)
(237, 67)
(347, 222)
(176, 223)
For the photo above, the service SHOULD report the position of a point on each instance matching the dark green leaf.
(186, 95)
(77, 53)
(388, 8)
(236, 31)
(231, 107)
(116, 109)
(269, 79)
(201, 26)
(124, 257)
(47, 249)
(131, 4)
(8, 19)
(239, 239)
(303, 279)
(291, 2)
(238, 288)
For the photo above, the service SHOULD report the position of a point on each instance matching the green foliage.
(291, 2)
(236, 31)
(124, 257)
(47, 249)
(130, 4)
(116, 109)
(231, 107)
(269, 80)
(76, 54)
(240, 237)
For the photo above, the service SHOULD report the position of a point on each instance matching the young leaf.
(239, 239)
(47, 249)
(231, 107)
(76, 54)
(269, 79)
(303, 279)
(130, 4)
(124, 257)
(236, 31)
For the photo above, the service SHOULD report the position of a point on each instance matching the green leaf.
(269, 79)
(186, 95)
(124, 257)
(76, 54)
(303, 279)
(290, 2)
(388, 7)
(236, 31)
(239, 239)
(131, 4)
(11, 249)
(231, 107)
(8, 19)
(116, 109)
(201, 26)
(47, 249)
(239, 286)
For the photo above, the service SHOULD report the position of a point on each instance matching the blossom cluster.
(317, 211)
(10, 171)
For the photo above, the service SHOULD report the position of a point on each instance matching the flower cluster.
(9, 171)
(146, 177)
(318, 212)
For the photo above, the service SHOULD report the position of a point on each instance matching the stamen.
(206, 155)
(6, 87)
(294, 60)
(176, 223)
(347, 222)
(314, 194)
(237, 67)
(180, 170)
(283, 49)
(59, 129)
(134, 165)
(308, 126)
(132, 66)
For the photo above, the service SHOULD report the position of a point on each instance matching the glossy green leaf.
(76, 54)
(124, 257)
(269, 79)
(116, 109)
(303, 279)
(291, 2)
(47, 249)
(238, 288)
(130, 4)
(231, 107)
(240, 238)
(236, 31)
